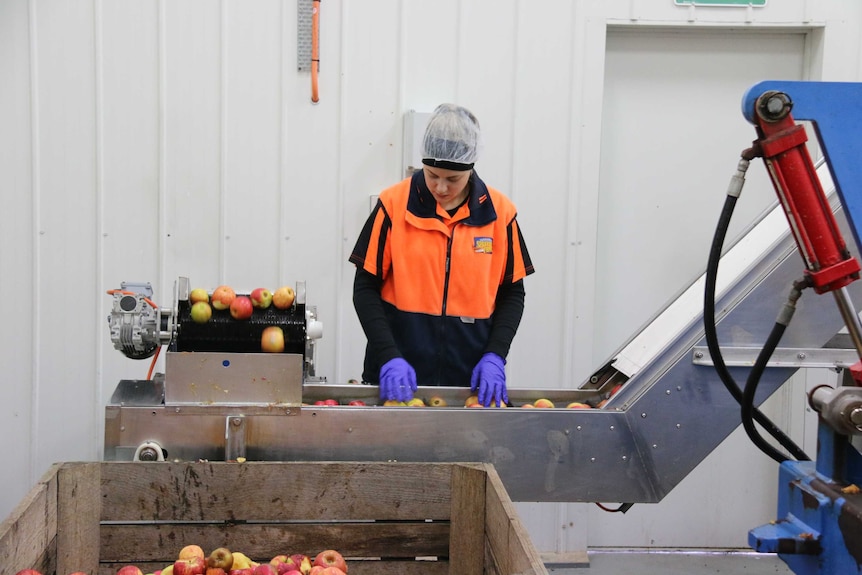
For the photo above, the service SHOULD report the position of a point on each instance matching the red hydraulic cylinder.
(828, 263)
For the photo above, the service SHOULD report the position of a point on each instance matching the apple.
(394, 403)
(243, 571)
(283, 297)
(261, 297)
(356, 402)
(129, 570)
(471, 400)
(201, 312)
(416, 402)
(222, 297)
(437, 401)
(241, 561)
(330, 558)
(302, 561)
(192, 566)
(198, 294)
(528, 405)
(190, 551)
(169, 570)
(272, 339)
(546, 403)
(477, 404)
(241, 307)
(330, 401)
(316, 570)
(577, 405)
(28, 572)
(214, 571)
(221, 558)
(265, 569)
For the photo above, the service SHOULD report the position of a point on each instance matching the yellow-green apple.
(394, 403)
(471, 400)
(416, 402)
(261, 298)
(222, 297)
(577, 405)
(283, 297)
(437, 401)
(220, 558)
(198, 294)
(272, 339)
(330, 558)
(542, 402)
(129, 570)
(191, 566)
(201, 312)
(168, 570)
(241, 307)
(302, 561)
(241, 561)
(191, 551)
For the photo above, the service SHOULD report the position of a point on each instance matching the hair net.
(452, 139)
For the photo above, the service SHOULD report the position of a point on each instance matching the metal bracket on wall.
(782, 357)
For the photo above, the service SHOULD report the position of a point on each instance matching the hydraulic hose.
(712, 335)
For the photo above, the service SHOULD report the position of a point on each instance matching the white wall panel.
(143, 140)
(67, 230)
(17, 238)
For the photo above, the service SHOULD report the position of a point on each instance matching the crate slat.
(28, 537)
(508, 540)
(161, 543)
(78, 517)
(271, 491)
(467, 539)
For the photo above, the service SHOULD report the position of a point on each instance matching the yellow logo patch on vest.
(483, 245)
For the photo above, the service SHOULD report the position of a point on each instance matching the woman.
(440, 266)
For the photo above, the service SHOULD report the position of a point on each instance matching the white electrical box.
(414, 128)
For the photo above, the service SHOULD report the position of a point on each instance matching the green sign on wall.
(721, 2)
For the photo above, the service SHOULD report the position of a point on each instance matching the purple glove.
(397, 380)
(489, 376)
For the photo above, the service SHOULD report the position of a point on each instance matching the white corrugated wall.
(142, 140)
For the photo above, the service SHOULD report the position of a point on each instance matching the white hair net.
(452, 137)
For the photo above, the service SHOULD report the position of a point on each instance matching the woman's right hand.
(397, 380)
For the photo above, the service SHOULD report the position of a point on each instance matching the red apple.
(129, 570)
(241, 307)
(201, 312)
(198, 294)
(302, 561)
(265, 569)
(316, 570)
(330, 558)
(242, 571)
(190, 551)
(220, 558)
(222, 297)
(28, 572)
(356, 402)
(283, 297)
(272, 339)
(191, 566)
(330, 401)
(215, 571)
(261, 297)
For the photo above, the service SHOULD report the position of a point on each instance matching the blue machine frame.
(819, 530)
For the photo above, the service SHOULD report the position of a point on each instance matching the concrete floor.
(673, 563)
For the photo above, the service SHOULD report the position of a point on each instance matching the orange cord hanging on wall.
(315, 49)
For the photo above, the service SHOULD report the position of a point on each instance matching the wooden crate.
(404, 518)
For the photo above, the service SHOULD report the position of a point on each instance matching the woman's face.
(449, 187)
